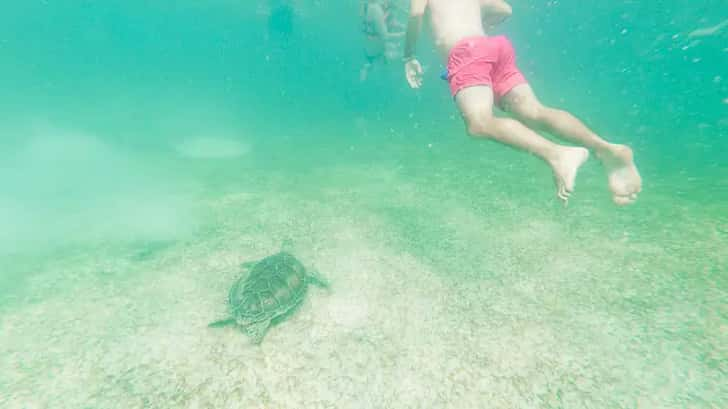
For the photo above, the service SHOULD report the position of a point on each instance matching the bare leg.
(364, 72)
(476, 106)
(624, 179)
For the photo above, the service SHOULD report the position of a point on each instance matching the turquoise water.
(149, 148)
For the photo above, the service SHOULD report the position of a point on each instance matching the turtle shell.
(274, 286)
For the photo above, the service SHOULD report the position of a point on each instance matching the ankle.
(612, 151)
(554, 155)
(605, 150)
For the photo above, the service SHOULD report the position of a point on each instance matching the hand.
(413, 71)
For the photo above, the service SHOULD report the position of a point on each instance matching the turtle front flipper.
(315, 278)
(257, 330)
(222, 323)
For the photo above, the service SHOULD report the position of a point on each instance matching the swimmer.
(281, 16)
(377, 23)
(482, 72)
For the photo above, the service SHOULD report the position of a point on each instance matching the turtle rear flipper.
(222, 323)
(257, 330)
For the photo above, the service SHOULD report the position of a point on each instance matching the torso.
(374, 46)
(453, 20)
(368, 24)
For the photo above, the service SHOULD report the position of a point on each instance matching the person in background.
(482, 73)
(281, 16)
(379, 25)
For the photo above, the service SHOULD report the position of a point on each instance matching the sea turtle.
(272, 290)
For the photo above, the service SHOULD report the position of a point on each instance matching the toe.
(563, 194)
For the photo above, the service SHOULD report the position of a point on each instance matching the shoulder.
(418, 6)
(375, 10)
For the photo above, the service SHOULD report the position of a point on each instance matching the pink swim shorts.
(484, 61)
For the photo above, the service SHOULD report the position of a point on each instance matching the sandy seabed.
(511, 323)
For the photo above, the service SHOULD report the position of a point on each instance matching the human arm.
(412, 68)
(494, 13)
(414, 25)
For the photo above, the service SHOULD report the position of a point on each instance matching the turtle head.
(287, 245)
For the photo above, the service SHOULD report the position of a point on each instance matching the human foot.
(624, 179)
(565, 166)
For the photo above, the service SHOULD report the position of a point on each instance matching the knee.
(480, 127)
(532, 112)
